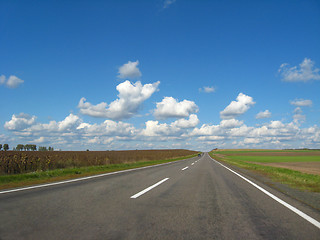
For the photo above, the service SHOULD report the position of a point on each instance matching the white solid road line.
(184, 168)
(149, 188)
(287, 205)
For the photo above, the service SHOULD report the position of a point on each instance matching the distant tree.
(0, 147)
(19, 147)
(5, 147)
(34, 147)
(41, 148)
(29, 147)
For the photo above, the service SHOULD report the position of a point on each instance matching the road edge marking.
(287, 205)
(148, 188)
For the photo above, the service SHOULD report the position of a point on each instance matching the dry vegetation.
(14, 162)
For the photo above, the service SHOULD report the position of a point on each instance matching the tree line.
(5, 147)
(26, 147)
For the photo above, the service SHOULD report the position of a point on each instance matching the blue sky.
(102, 75)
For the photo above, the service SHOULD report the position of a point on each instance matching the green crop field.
(270, 159)
(253, 160)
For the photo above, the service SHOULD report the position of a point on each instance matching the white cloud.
(24, 122)
(171, 108)
(71, 121)
(230, 123)
(187, 123)
(39, 140)
(153, 128)
(177, 128)
(276, 125)
(207, 130)
(306, 72)
(299, 118)
(167, 3)
(19, 122)
(265, 114)
(131, 96)
(129, 70)
(211, 138)
(72, 131)
(251, 140)
(240, 131)
(207, 89)
(275, 129)
(107, 128)
(238, 107)
(11, 82)
(301, 103)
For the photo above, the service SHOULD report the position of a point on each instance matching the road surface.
(191, 199)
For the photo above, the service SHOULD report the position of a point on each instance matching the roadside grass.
(38, 177)
(295, 179)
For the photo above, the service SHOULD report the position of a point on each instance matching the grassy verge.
(295, 179)
(27, 179)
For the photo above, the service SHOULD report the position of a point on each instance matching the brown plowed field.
(305, 167)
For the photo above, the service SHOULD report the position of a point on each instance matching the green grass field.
(247, 159)
(271, 159)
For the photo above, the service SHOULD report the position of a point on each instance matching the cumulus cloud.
(187, 123)
(107, 128)
(264, 114)
(251, 140)
(172, 108)
(230, 123)
(207, 89)
(11, 82)
(154, 128)
(207, 130)
(19, 122)
(301, 103)
(131, 96)
(25, 122)
(238, 107)
(176, 129)
(129, 70)
(305, 72)
(72, 130)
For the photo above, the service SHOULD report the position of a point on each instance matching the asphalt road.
(203, 201)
